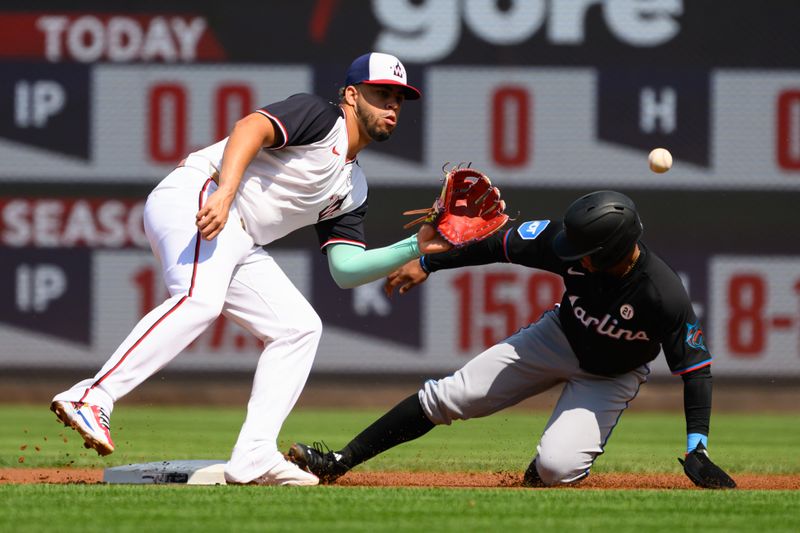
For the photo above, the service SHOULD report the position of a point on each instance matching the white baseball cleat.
(90, 421)
(283, 473)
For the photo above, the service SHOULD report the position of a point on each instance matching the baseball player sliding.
(621, 306)
(288, 165)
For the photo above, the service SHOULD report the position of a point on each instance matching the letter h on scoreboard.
(643, 108)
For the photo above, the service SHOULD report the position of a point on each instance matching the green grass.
(643, 442)
(504, 442)
(169, 508)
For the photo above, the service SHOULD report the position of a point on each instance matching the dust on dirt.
(443, 479)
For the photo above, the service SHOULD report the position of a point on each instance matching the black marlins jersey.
(613, 325)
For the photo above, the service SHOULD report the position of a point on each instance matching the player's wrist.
(413, 243)
(693, 439)
(423, 264)
(229, 191)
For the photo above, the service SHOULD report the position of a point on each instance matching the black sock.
(406, 421)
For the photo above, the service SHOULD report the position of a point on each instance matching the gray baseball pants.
(529, 362)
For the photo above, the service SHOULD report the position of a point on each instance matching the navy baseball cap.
(376, 68)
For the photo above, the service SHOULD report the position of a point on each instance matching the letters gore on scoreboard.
(429, 31)
(74, 222)
(108, 37)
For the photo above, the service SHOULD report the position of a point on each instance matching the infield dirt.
(439, 479)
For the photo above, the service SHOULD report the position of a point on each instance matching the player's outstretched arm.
(248, 136)
(351, 266)
(415, 272)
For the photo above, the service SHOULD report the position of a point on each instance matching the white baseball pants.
(227, 275)
(529, 362)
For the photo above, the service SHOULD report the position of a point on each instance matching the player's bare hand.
(405, 278)
(430, 242)
(214, 214)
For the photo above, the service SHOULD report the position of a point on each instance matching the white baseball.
(660, 160)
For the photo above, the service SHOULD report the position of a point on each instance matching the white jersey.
(305, 179)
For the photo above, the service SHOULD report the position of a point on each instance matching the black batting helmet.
(603, 225)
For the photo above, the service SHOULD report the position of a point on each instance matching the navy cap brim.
(412, 93)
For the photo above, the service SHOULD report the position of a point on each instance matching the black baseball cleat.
(319, 460)
(531, 478)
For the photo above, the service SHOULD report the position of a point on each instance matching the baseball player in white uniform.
(287, 165)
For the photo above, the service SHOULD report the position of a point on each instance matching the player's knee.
(306, 325)
(437, 402)
(560, 467)
(313, 325)
(205, 310)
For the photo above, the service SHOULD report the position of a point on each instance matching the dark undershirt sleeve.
(489, 250)
(347, 228)
(697, 387)
(515, 244)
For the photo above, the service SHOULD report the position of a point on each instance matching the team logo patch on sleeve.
(531, 229)
(694, 337)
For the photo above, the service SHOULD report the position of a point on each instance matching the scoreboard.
(551, 99)
(77, 276)
(528, 127)
(755, 304)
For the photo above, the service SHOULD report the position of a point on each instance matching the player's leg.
(262, 299)
(523, 365)
(586, 413)
(529, 362)
(196, 272)
(404, 422)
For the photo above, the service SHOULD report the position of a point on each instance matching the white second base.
(197, 472)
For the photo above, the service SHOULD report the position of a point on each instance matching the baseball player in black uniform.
(622, 305)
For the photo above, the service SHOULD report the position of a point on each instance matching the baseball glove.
(468, 210)
(704, 473)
